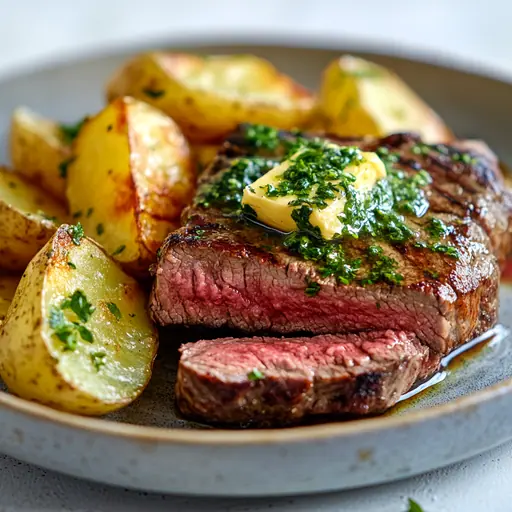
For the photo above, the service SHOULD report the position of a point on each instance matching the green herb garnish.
(112, 307)
(255, 375)
(312, 288)
(79, 304)
(153, 93)
(69, 132)
(76, 233)
(119, 250)
(98, 359)
(262, 137)
(89, 212)
(71, 265)
(63, 167)
(100, 229)
(413, 506)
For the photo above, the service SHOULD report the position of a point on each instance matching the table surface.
(466, 31)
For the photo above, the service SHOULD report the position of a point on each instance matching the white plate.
(147, 446)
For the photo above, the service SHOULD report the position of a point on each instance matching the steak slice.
(219, 272)
(264, 381)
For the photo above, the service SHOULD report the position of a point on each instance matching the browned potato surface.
(208, 96)
(131, 176)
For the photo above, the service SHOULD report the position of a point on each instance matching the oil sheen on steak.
(267, 381)
(218, 272)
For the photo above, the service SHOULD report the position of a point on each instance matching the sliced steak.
(219, 272)
(264, 381)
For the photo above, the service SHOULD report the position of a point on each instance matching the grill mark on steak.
(325, 374)
(229, 276)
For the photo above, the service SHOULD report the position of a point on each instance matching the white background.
(475, 33)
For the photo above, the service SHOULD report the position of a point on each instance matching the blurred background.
(471, 32)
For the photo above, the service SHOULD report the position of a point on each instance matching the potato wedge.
(204, 154)
(38, 149)
(8, 286)
(130, 179)
(209, 96)
(28, 218)
(77, 336)
(359, 98)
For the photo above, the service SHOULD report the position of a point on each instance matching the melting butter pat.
(276, 212)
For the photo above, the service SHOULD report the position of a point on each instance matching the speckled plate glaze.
(148, 446)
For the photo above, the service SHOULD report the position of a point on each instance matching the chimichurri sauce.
(316, 175)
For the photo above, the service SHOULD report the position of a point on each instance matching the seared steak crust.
(266, 381)
(216, 271)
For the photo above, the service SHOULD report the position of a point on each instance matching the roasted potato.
(8, 286)
(204, 154)
(39, 150)
(28, 218)
(359, 98)
(131, 176)
(209, 96)
(77, 336)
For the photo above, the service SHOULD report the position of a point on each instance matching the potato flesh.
(37, 150)
(209, 96)
(362, 98)
(129, 342)
(100, 178)
(33, 362)
(133, 168)
(28, 199)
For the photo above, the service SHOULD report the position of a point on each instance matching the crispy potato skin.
(133, 173)
(33, 362)
(360, 98)
(8, 286)
(209, 96)
(23, 226)
(37, 150)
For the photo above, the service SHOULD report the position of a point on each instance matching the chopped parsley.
(79, 304)
(119, 250)
(317, 174)
(112, 307)
(63, 167)
(153, 93)
(255, 375)
(45, 216)
(431, 274)
(89, 212)
(69, 132)
(70, 331)
(413, 506)
(100, 229)
(437, 229)
(131, 315)
(98, 359)
(262, 137)
(71, 265)
(227, 189)
(78, 214)
(312, 288)
(76, 233)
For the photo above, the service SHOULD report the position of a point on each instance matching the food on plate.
(131, 175)
(358, 98)
(77, 336)
(8, 286)
(204, 154)
(410, 253)
(208, 96)
(28, 218)
(264, 381)
(349, 263)
(40, 149)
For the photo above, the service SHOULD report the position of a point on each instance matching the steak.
(264, 381)
(217, 271)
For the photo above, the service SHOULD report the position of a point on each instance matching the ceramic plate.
(148, 446)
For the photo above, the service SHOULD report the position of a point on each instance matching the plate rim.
(231, 437)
